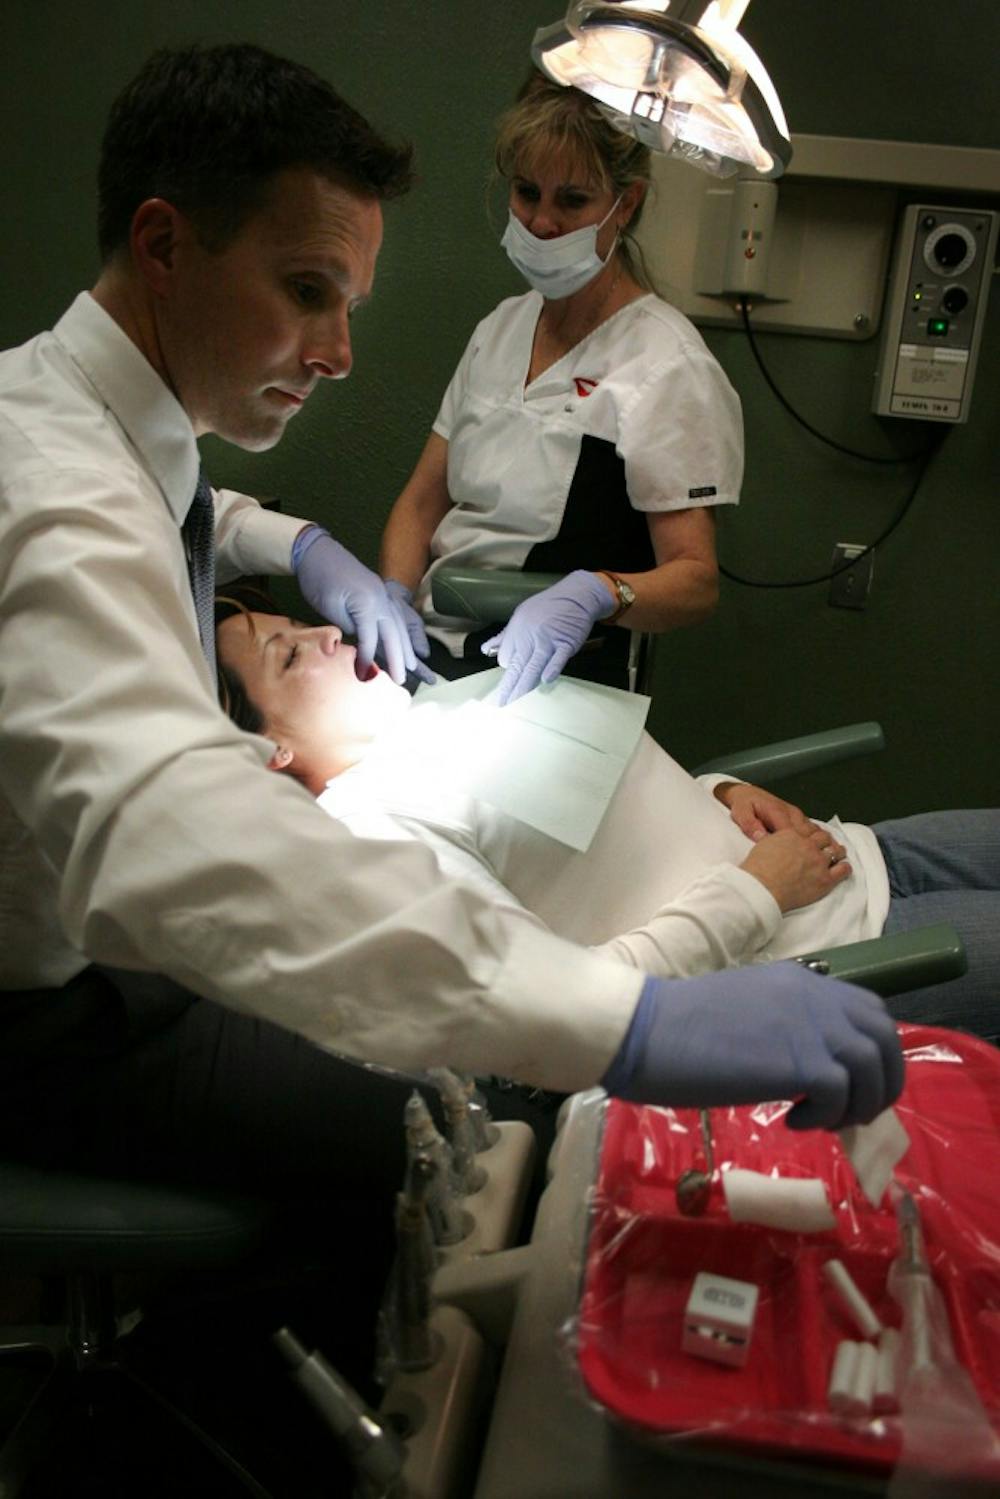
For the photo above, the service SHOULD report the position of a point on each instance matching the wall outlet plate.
(850, 588)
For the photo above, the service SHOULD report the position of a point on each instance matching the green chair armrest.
(770, 762)
(490, 595)
(485, 594)
(892, 964)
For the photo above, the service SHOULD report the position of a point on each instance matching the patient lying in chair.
(670, 883)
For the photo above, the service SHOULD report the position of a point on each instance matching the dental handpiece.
(469, 1176)
(443, 1206)
(415, 1263)
(374, 1449)
(484, 1131)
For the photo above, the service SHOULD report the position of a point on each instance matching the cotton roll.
(840, 1391)
(800, 1206)
(842, 1282)
(863, 1378)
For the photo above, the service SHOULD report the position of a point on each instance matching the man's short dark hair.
(207, 128)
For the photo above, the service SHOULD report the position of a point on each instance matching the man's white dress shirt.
(142, 829)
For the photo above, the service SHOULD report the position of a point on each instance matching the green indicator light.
(937, 326)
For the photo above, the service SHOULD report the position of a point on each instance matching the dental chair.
(490, 595)
(509, 1307)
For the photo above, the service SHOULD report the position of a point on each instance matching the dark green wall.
(922, 657)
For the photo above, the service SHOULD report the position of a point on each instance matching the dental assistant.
(587, 429)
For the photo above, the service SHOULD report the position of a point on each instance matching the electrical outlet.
(850, 588)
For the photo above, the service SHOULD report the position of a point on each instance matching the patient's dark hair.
(208, 128)
(245, 599)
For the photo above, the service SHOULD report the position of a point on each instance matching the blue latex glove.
(753, 1035)
(546, 630)
(349, 594)
(402, 597)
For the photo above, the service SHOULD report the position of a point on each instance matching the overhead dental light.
(677, 75)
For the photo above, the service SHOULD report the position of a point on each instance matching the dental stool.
(79, 1232)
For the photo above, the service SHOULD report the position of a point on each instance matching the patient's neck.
(319, 755)
(317, 765)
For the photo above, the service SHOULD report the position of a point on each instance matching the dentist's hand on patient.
(546, 630)
(350, 595)
(753, 1035)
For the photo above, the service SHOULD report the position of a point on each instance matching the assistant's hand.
(753, 1035)
(757, 812)
(546, 630)
(350, 595)
(402, 597)
(798, 870)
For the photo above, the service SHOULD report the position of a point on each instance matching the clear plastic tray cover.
(641, 1254)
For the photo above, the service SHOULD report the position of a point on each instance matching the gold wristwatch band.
(625, 593)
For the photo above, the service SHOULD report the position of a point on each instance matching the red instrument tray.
(642, 1256)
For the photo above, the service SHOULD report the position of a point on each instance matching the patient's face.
(302, 679)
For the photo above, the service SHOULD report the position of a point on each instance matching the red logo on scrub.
(583, 385)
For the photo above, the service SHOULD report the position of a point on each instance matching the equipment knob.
(950, 250)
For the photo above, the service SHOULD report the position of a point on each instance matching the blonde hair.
(548, 119)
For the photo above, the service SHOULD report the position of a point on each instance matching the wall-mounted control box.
(935, 307)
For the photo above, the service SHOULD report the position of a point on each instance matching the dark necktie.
(199, 537)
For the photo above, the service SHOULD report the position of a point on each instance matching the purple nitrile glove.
(756, 1034)
(402, 597)
(544, 631)
(350, 595)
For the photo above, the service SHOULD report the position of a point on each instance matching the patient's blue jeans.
(945, 866)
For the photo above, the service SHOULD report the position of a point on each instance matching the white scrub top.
(638, 417)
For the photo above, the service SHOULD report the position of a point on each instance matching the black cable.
(853, 561)
(924, 455)
(830, 442)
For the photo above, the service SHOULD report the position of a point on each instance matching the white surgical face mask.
(556, 267)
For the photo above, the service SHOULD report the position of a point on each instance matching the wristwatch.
(626, 597)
